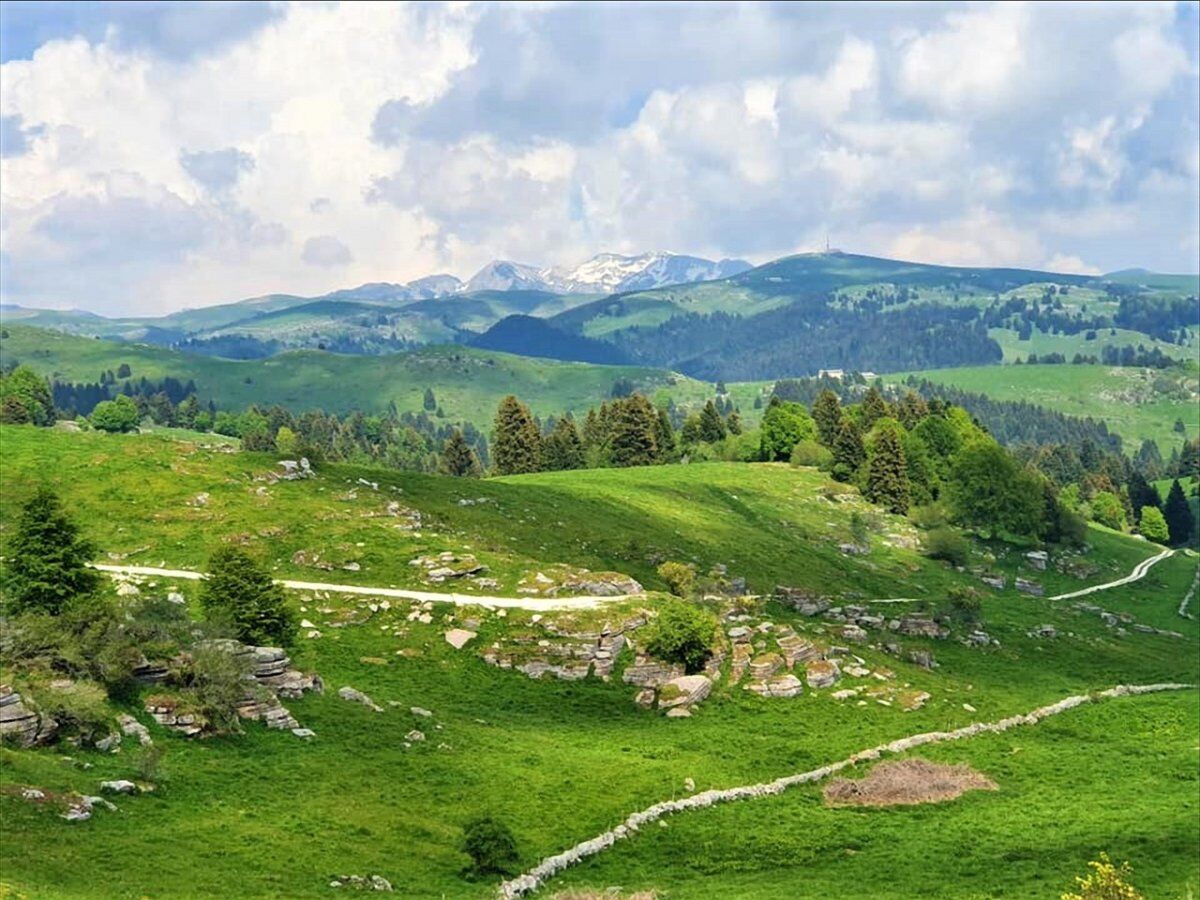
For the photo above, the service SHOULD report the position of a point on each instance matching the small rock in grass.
(120, 786)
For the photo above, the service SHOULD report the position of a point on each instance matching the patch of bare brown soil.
(905, 782)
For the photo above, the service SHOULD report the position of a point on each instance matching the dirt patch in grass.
(905, 782)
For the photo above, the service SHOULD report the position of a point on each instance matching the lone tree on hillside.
(47, 564)
(988, 490)
(429, 401)
(458, 458)
(1178, 515)
(240, 592)
(116, 416)
(516, 442)
(887, 477)
(491, 846)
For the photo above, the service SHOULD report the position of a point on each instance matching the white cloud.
(431, 138)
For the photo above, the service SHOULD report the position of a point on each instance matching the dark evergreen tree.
(239, 592)
(516, 440)
(562, 449)
(429, 401)
(1189, 460)
(47, 558)
(1149, 460)
(733, 422)
(887, 476)
(664, 437)
(633, 432)
(873, 408)
(911, 410)
(848, 450)
(827, 413)
(712, 426)
(1141, 495)
(458, 458)
(1178, 515)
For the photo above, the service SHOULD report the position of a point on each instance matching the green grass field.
(1138, 404)
(267, 815)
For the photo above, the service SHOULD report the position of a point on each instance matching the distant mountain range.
(712, 320)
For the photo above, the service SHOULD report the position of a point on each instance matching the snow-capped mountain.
(503, 275)
(605, 273)
(611, 273)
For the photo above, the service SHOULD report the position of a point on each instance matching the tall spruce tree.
(562, 449)
(887, 477)
(458, 458)
(664, 437)
(516, 441)
(827, 413)
(1178, 515)
(848, 450)
(47, 558)
(1142, 495)
(712, 426)
(873, 408)
(634, 425)
(911, 410)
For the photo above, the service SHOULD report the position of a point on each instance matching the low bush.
(680, 577)
(218, 680)
(810, 453)
(947, 544)
(683, 634)
(930, 516)
(491, 846)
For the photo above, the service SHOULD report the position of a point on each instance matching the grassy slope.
(1126, 398)
(268, 815)
(468, 383)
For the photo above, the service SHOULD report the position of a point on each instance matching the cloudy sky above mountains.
(161, 155)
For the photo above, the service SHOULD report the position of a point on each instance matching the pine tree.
(562, 449)
(887, 478)
(1142, 495)
(429, 401)
(1189, 460)
(633, 432)
(848, 450)
(712, 426)
(47, 559)
(664, 437)
(458, 458)
(239, 591)
(516, 440)
(733, 422)
(1178, 515)
(874, 407)
(827, 413)
(911, 410)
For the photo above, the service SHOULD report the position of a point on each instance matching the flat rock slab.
(458, 637)
(686, 690)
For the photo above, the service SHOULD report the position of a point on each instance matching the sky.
(155, 156)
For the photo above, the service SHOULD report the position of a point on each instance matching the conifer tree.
(848, 450)
(874, 407)
(429, 401)
(911, 410)
(458, 458)
(664, 437)
(712, 426)
(733, 422)
(47, 558)
(516, 440)
(562, 449)
(1142, 495)
(887, 478)
(633, 432)
(827, 413)
(1178, 515)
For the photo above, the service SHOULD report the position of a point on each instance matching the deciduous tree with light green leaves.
(784, 425)
(1153, 525)
(989, 491)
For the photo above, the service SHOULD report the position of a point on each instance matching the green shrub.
(963, 606)
(115, 416)
(240, 592)
(1153, 525)
(149, 763)
(680, 577)
(810, 453)
(218, 680)
(78, 706)
(1108, 510)
(491, 846)
(930, 516)
(682, 634)
(947, 544)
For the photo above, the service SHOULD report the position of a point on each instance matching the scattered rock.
(305, 733)
(110, 743)
(821, 673)
(356, 696)
(21, 725)
(361, 882)
(1038, 559)
(785, 685)
(127, 589)
(415, 735)
(1033, 588)
(686, 690)
(458, 637)
(119, 787)
(420, 711)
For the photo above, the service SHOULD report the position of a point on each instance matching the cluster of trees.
(1127, 355)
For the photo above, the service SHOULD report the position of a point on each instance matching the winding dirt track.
(552, 865)
(551, 603)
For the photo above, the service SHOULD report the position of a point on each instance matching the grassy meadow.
(268, 815)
